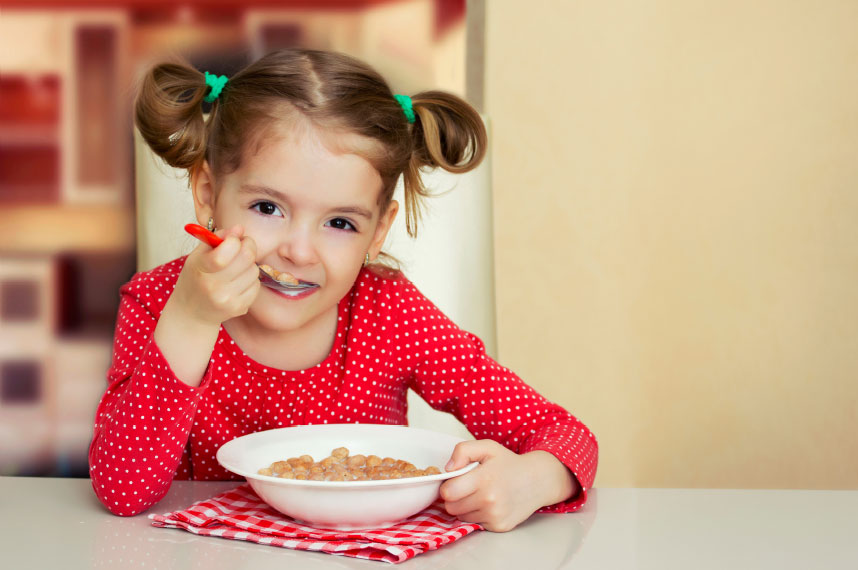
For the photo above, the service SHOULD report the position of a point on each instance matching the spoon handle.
(203, 234)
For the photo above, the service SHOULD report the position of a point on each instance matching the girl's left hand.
(506, 488)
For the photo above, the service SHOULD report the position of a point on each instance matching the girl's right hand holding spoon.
(219, 283)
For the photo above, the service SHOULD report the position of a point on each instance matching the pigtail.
(169, 114)
(448, 133)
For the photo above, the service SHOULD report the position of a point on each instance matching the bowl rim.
(247, 474)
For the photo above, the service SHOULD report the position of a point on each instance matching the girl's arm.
(144, 419)
(454, 374)
(533, 454)
(164, 338)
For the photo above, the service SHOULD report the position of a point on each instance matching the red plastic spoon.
(268, 280)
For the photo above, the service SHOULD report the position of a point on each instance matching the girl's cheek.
(341, 256)
(336, 242)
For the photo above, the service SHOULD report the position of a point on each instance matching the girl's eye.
(266, 208)
(342, 224)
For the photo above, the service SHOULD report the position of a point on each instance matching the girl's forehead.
(311, 160)
(296, 128)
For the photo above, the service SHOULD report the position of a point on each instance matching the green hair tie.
(407, 108)
(216, 82)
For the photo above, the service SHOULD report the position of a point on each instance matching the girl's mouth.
(304, 290)
(283, 281)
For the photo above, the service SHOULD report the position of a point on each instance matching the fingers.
(492, 494)
(467, 452)
(489, 520)
(232, 284)
(469, 515)
(221, 256)
(234, 253)
(455, 491)
(238, 249)
(247, 296)
(246, 257)
(221, 282)
(459, 488)
(485, 507)
(234, 288)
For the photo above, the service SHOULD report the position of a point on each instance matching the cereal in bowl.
(340, 466)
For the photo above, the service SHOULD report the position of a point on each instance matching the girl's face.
(312, 212)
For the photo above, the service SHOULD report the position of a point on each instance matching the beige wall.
(676, 216)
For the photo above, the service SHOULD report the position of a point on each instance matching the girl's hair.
(330, 90)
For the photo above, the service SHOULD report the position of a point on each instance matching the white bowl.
(343, 505)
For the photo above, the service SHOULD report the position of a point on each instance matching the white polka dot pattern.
(151, 428)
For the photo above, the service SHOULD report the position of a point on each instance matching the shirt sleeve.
(145, 416)
(450, 369)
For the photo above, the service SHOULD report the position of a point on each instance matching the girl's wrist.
(181, 307)
(556, 481)
(180, 312)
(185, 342)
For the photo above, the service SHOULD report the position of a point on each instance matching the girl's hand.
(217, 284)
(506, 488)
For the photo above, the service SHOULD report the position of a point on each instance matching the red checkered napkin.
(240, 514)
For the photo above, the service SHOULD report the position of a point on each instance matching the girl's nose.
(298, 247)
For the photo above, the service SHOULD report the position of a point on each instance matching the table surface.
(58, 523)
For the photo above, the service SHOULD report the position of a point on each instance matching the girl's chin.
(274, 321)
(279, 311)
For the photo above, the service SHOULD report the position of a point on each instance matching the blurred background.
(67, 206)
(674, 192)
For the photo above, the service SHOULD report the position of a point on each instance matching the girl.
(297, 164)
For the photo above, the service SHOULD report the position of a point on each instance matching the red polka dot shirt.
(151, 428)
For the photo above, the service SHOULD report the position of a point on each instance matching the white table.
(58, 523)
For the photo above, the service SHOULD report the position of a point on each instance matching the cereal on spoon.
(282, 276)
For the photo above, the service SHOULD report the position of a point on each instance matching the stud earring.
(210, 225)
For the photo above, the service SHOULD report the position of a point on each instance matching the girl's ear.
(384, 225)
(202, 188)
